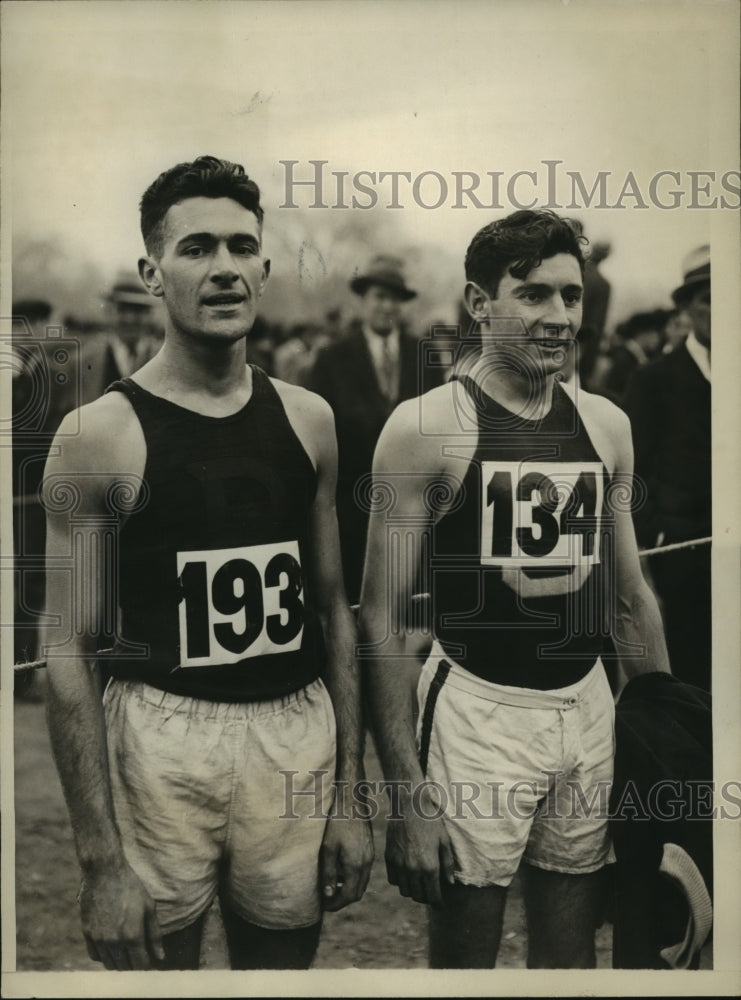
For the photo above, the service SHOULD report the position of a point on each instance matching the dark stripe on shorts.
(443, 669)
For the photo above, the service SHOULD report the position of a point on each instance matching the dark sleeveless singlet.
(213, 562)
(519, 564)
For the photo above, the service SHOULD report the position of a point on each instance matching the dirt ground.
(382, 931)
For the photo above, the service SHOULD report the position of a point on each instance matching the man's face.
(131, 322)
(381, 309)
(698, 310)
(649, 341)
(677, 328)
(211, 272)
(538, 317)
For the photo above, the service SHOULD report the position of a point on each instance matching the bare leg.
(465, 932)
(563, 912)
(183, 948)
(253, 947)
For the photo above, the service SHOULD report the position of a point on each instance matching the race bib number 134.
(239, 603)
(540, 513)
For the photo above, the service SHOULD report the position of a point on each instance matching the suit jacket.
(344, 374)
(668, 402)
(61, 381)
(97, 368)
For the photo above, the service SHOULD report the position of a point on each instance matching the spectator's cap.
(386, 272)
(696, 271)
(34, 310)
(127, 289)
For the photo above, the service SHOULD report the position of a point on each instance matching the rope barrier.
(675, 546)
(24, 668)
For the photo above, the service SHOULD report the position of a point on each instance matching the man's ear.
(150, 274)
(477, 301)
(265, 274)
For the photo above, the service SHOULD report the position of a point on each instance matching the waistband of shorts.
(225, 711)
(560, 698)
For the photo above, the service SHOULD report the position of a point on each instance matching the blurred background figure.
(132, 335)
(636, 342)
(597, 289)
(34, 396)
(295, 357)
(260, 345)
(57, 367)
(129, 336)
(45, 370)
(363, 375)
(590, 340)
(676, 329)
(668, 403)
(30, 319)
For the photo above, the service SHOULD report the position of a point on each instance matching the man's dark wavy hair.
(206, 177)
(519, 243)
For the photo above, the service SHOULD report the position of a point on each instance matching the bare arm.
(417, 849)
(638, 629)
(643, 405)
(347, 850)
(340, 672)
(119, 921)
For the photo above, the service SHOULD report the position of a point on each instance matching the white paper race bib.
(239, 603)
(541, 514)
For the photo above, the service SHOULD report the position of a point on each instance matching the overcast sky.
(100, 97)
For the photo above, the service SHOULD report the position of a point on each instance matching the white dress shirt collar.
(699, 354)
(375, 344)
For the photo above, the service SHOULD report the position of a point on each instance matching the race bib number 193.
(239, 603)
(540, 513)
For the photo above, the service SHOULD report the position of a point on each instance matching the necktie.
(388, 372)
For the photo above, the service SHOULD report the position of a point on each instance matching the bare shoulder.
(312, 420)
(302, 404)
(607, 425)
(601, 409)
(418, 429)
(98, 444)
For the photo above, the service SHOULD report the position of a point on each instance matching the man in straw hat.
(668, 403)
(363, 376)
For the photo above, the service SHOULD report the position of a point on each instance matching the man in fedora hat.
(132, 340)
(128, 337)
(363, 376)
(668, 403)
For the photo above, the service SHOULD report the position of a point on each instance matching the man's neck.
(529, 397)
(209, 377)
(370, 332)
